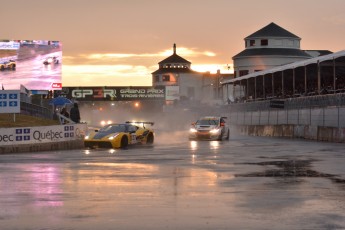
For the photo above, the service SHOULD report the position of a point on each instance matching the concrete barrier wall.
(42, 138)
(64, 145)
(326, 117)
(329, 134)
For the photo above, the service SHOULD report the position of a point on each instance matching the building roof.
(320, 52)
(272, 30)
(174, 58)
(173, 70)
(272, 52)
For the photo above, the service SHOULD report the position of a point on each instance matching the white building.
(188, 85)
(268, 47)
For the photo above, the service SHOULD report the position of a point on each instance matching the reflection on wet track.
(244, 183)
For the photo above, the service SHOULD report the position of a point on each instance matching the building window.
(252, 43)
(157, 78)
(264, 42)
(166, 78)
(243, 72)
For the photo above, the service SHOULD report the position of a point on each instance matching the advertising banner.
(42, 134)
(9, 45)
(114, 93)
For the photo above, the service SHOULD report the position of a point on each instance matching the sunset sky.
(120, 42)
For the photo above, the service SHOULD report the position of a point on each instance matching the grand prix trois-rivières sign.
(114, 93)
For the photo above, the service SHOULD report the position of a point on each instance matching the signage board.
(113, 93)
(9, 101)
(42, 134)
(172, 93)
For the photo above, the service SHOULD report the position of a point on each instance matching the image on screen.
(35, 64)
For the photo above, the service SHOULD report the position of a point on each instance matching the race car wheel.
(228, 135)
(220, 137)
(150, 138)
(124, 142)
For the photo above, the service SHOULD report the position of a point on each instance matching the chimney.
(174, 48)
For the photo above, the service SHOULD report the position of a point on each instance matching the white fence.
(325, 117)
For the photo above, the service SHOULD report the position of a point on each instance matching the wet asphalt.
(244, 183)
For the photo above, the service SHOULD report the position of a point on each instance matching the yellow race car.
(8, 65)
(120, 135)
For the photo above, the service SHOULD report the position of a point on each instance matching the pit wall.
(42, 138)
(318, 133)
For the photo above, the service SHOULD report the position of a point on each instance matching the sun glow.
(123, 69)
(213, 68)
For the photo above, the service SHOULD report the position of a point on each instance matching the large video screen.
(35, 64)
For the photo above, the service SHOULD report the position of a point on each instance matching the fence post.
(287, 116)
(251, 117)
(244, 117)
(338, 117)
(310, 116)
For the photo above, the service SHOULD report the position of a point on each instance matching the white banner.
(42, 134)
(9, 45)
(172, 93)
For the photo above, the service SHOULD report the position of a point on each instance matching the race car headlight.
(113, 136)
(214, 131)
(192, 130)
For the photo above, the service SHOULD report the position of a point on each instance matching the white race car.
(210, 128)
(51, 60)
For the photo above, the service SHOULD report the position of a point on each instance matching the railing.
(35, 110)
(64, 120)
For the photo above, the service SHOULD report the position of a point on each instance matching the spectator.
(64, 112)
(74, 113)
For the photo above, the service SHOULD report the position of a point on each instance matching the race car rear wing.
(143, 123)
